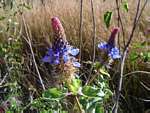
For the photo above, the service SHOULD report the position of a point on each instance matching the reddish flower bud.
(56, 25)
(2, 110)
(111, 40)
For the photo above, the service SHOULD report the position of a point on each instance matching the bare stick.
(120, 84)
(79, 105)
(146, 87)
(30, 45)
(136, 20)
(116, 105)
(3, 80)
(80, 28)
(94, 43)
(120, 21)
(134, 25)
(135, 72)
(94, 29)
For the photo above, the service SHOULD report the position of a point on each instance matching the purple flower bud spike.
(61, 50)
(109, 47)
(56, 25)
(112, 37)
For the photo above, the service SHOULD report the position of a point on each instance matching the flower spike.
(61, 50)
(109, 47)
(112, 37)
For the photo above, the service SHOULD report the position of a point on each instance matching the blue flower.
(103, 45)
(46, 59)
(66, 57)
(51, 58)
(61, 51)
(74, 51)
(109, 47)
(76, 64)
(114, 53)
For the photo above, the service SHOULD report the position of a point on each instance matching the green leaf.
(2, 18)
(92, 105)
(148, 55)
(134, 56)
(126, 6)
(97, 65)
(107, 18)
(90, 91)
(145, 56)
(104, 72)
(108, 93)
(8, 111)
(44, 111)
(74, 86)
(101, 93)
(53, 93)
(99, 109)
(27, 6)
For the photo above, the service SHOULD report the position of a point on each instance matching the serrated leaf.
(90, 91)
(53, 93)
(74, 86)
(107, 18)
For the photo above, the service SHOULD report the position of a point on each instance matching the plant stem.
(135, 72)
(94, 29)
(135, 22)
(30, 45)
(94, 42)
(80, 28)
(79, 105)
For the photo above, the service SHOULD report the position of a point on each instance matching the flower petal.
(46, 59)
(76, 64)
(56, 61)
(66, 58)
(50, 51)
(102, 45)
(114, 53)
(74, 51)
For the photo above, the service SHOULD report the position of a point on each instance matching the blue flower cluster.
(61, 52)
(111, 50)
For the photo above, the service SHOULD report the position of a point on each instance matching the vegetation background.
(19, 19)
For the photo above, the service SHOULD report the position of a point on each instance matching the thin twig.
(120, 84)
(80, 28)
(120, 22)
(135, 22)
(30, 45)
(79, 105)
(146, 87)
(94, 42)
(140, 14)
(116, 105)
(134, 26)
(4, 78)
(94, 29)
(135, 72)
